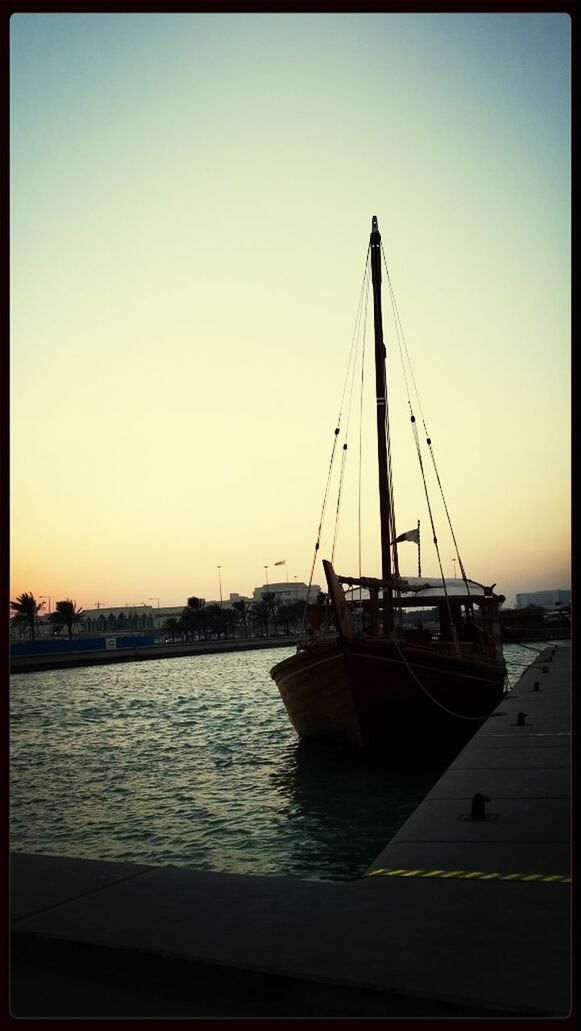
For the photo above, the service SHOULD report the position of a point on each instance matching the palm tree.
(243, 609)
(231, 620)
(260, 616)
(198, 617)
(171, 626)
(296, 611)
(272, 603)
(66, 614)
(289, 615)
(217, 619)
(187, 623)
(26, 608)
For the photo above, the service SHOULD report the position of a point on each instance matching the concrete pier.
(458, 916)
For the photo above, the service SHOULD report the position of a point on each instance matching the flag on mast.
(410, 535)
(282, 563)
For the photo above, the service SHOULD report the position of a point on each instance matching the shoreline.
(39, 663)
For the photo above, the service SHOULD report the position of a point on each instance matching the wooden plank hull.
(371, 693)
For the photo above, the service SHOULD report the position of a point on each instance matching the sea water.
(193, 762)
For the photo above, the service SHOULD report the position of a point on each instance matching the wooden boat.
(371, 680)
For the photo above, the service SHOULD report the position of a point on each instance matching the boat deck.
(457, 916)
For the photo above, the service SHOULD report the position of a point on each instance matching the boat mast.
(385, 501)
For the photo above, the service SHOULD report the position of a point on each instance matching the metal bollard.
(477, 811)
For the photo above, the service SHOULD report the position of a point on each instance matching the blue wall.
(55, 646)
(135, 640)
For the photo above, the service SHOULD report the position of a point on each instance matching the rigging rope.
(452, 623)
(404, 349)
(462, 570)
(362, 381)
(361, 322)
(341, 476)
(324, 505)
(336, 434)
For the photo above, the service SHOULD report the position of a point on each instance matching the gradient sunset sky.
(191, 202)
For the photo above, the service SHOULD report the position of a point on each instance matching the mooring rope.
(450, 712)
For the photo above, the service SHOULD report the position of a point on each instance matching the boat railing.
(469, 650)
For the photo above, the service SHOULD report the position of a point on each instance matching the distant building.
(545, 599)
(170, 612)
(138, 617)
(233, 599)
(288, 592)
(118, 618)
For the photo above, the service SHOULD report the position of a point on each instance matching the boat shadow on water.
(311, 764)
(333, 795)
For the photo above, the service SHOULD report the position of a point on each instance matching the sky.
(191, 203)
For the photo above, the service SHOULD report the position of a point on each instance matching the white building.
(236, 597)
(288, 592)
(117, 618)
(545, 599)
(137, 617)
(105, 620)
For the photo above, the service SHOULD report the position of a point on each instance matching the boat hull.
(371, 693)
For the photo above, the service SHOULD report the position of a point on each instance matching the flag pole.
(419, 553)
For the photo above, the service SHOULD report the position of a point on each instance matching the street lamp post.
(220, 582)
(266, 572)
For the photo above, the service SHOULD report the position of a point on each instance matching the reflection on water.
(346, 803)
(192, 761)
